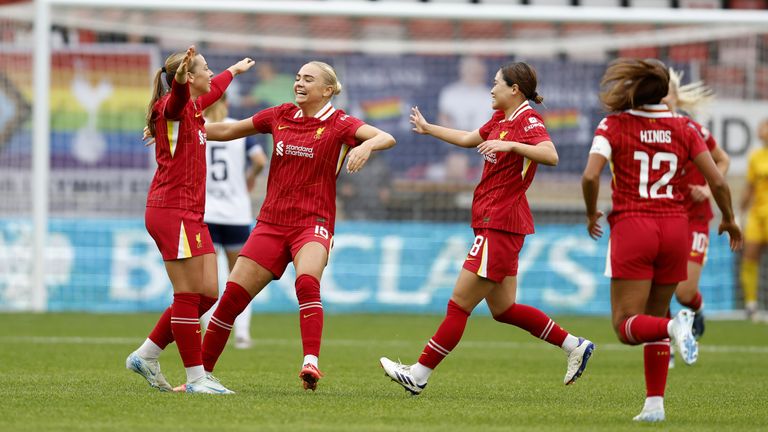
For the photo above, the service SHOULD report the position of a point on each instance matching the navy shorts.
(229, 236)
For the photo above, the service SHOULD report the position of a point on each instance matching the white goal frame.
(729, 23)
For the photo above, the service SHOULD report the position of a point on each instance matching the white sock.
(654, 403)
(313, 360)
(149, 350)
(570, 343)
(194, 373)
(421, 373)
(669, 327)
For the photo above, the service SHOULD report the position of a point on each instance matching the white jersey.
(227, 201)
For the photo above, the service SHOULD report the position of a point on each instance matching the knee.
(307, 286)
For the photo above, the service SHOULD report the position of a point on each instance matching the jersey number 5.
(661, 188)
(218, 166)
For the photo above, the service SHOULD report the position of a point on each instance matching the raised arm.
(722, 195)
(179, 87)
(220, 82)
(226, 131)
(452, 136)
(590, 188)
(373, 139)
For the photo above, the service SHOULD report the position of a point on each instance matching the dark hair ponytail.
(630, 83)
(524, 75)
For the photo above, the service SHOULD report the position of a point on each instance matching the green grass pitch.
(66, 372)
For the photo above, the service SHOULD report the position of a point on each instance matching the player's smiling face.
(200, 76)
(310, 86)
(501, 93)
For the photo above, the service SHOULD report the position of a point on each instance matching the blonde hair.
(692, 97)
(329, 75)
(218, 111)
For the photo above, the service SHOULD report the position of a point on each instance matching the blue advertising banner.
(112, 265)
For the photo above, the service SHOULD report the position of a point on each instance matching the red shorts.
(178, 233)
(643, 248)
(698, 239)
(494, 254)
(274, 246)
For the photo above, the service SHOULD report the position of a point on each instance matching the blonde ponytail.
(692, 98)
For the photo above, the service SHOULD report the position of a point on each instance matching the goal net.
(403, 227)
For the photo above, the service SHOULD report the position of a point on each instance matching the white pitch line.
(500, 345)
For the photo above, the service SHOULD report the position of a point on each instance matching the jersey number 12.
(661, 188)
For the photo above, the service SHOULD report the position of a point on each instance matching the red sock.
(162, 335)
(656, 362)
(535, 322)
(638, 329)
(447, 337)
(185, 324)
(205, 304)
(310, 313)
(231, 304)
(694, 304)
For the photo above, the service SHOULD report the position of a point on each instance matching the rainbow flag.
(114, 85)
(383, 109)
(561, 119)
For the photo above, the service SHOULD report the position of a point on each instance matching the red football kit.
(647, 149)
(176, 199)
(300, 205)
(500, 214)
(699, 213)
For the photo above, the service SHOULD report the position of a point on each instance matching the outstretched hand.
(593, 227)
(241, 66)
(181, 71)
(420, 125)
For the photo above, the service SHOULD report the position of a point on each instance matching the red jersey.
(499, 201)
(691, 176)
(647, 149)
(179, 180)
(308, 154)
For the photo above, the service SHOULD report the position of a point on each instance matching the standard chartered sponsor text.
(302, 151)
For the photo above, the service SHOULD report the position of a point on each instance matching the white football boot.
(402, 375)
(149, 369)
(577, 360)
(682, 337)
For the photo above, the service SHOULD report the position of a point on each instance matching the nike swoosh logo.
(309, 315)
(198, 114)
(197, 331)
(281, 127)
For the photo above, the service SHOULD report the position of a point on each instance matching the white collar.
(525, 106)
(322, 115)
(652, 111)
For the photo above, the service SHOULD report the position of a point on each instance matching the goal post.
(390, 55)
